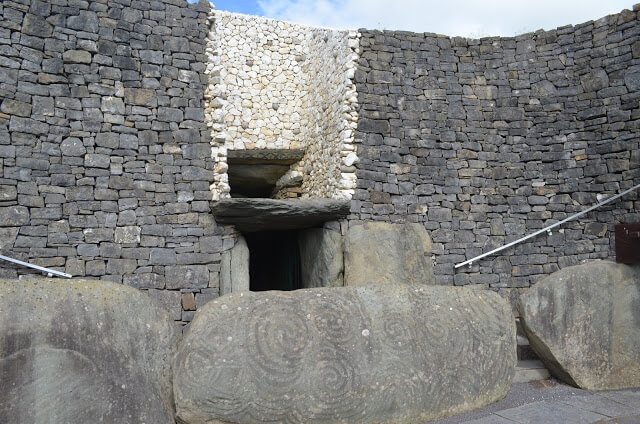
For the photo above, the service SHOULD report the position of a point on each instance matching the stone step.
(530, 370)
(525, 352)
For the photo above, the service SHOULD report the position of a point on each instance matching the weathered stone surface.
(140, 96)
(595, 80)
(632, 78)
(584, 323)
(321, 262)
(8, 237)
(11, 216)
(129, 234)
(392, 354)
(76, 56)
(83, 351)
(383, 253)
(234, 268)
(271, 214)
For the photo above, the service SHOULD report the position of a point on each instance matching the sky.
(466, 18)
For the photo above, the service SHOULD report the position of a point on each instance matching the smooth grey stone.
(234, 268)
(274, 214)
(384, 253)
(79, 351)
(584, 323)
(321, 259)
(392, 353)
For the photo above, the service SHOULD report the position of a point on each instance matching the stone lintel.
(270, 156)
(251, 215)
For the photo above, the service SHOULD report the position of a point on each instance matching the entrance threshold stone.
(254, 214)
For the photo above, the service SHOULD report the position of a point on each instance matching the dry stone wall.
(116, 118)
(105, 160)
(484, 141)
(277, 85)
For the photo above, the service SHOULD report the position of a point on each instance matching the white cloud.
(469, 18)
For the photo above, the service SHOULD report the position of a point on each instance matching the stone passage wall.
(485, 141)
(105, 160)
(332, 96)
(277, 85)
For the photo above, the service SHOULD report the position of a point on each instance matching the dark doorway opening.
(274, 262)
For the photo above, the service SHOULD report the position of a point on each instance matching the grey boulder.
(383, 253)
(79, 351)
(374, 354)
(584, 323)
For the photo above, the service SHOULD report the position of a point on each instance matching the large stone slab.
(83, 352)
(321, 262)
(375, 354)
(383, 253)
(255, 214)
(584, 323)
(234, 268)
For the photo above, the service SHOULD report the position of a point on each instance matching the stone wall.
(484, 141)
(105, 160)
(116, 118)
(278, 85)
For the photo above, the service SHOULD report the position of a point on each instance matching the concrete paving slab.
(629, 419)
(491, 419)
(600, 405)
(623, 404)
(627, 397)
(549, 413)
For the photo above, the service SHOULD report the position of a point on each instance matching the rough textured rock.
(274, 214)
(234, 268)
(584, 322)
(382, 253)
(321, 263)
(83, 351)
(376, 354)
(296, 92)
(86, 92)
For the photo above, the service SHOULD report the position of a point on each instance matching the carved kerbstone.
(83, 352)
(375, 354)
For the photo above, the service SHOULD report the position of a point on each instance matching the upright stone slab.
(82, 352)
(321, 261)
(383, 253)
(234, 268)
(584, 323)
(375, 354)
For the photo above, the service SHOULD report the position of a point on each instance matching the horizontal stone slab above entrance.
(250, 215)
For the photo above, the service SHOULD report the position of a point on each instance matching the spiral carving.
(337, 386)
(334, 319)
(397, 333)
(278, 338)
(372, 354)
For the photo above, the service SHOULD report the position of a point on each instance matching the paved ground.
(552, 402)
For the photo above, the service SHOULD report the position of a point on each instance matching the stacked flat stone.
(105, 158)
(485, 141)
(279, 85)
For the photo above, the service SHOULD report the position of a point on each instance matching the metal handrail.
(547, 229)
(50, 272)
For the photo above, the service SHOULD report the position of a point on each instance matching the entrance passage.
(274, 262)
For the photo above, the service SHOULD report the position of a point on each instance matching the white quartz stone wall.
(328, 162)
(279, 85)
